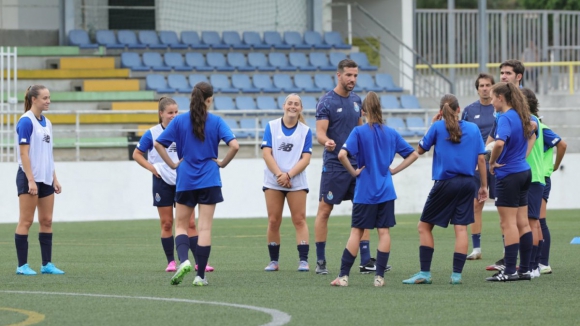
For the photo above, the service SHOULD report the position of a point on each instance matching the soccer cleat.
(475, 255)
(340, 281)
(303, 266)
(498, 266)
(198, 281)
(368, 267)
(272, 267)
(50, 269)
(545, 269)
(503, 277)
(527, 276)
(455, 278)
(388, 268)
(208, 268)
(419, 278)
(379, 281)
(25, 270)
(171, 267)
(321, 267)
(183, 269)
(535, 273)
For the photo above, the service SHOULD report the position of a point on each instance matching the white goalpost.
(8, 103)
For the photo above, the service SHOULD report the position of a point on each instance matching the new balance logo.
(46, 138)
(286, 147)
(172, 148)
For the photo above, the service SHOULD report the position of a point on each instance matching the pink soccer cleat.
(171, 267)
(208, 268)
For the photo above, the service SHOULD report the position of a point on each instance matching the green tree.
(550, 4)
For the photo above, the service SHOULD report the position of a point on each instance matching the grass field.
(123, 262)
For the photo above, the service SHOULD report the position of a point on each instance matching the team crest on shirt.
(46, 138)
(356, 108)
(329, 196)
(157, 197)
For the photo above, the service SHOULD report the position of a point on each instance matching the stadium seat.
(154, 61)
(191, 39)
(197, 78)
(266, 103)
(245, 103)
(309, 103)
(273, 39)
(243, 83)
(223, 103)
(179, 83)
(284, 82)
(182, 103)
(410, 102)
(132, 61)
(233, 124)
(250, 127)
(213, 39)
(399, 125)
(108, 39)
(221, 83)
(304, 82)
(362, 61)
(170, 39)
(238, 61)
(280, 101)
(264, 83)
(279, 60)
(314, 39)
(324, 82)
(300, 61)
(218, 62)
(264, 122)
(335, 40)
(416, 125)
(254, 40)
(320, 61)
(259, 61)
(233, 40)
(386, 82)
(158, 84)
(335, 58)
(311, 122)
(295, 40)
(197, 61)
(129, 39)
(175, 61)
(80, 38)
(389, 102)
(366, 82)
(150, 39)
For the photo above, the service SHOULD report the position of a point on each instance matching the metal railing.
(8, 97)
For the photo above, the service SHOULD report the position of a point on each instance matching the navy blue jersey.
(513, 156)
(482, 115)
(343, 114)
(551, 139)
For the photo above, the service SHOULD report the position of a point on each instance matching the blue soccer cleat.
(455, 278)
(50, 269)
(419, 278)
(25, 270)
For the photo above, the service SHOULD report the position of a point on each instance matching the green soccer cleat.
(198, 281)
(183, 269)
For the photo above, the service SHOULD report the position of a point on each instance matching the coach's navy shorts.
(370, 216)
(535, 194)
(512, 191)
(490, 183)
(547, 189)
(44, 190)
(336, 185)
(163, 193)
(204, 196)
(450, 201)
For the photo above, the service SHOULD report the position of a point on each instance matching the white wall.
(122, 190)
(29, 14)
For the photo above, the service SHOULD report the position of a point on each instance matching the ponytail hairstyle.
(163, 103)
(300, 116)
(372, 107)
(197, 108)
(449, 106)
(32, 91)
(516, 100)
(532, 101)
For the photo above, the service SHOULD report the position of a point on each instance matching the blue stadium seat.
(309, 103)
(362, 61)
(197, 78)
(295, 40)
(311, 122)
(280, 101)
(264, 83)
(366, 82)
(250, 126)
(218, 62)
(182, 103)
(191, 39)
(416, 125)
(221, 83)
(273, 39)
(223, 103)
(179, 83)
(243, 83)
(399, 125)
(254, 40)
(108, 39)
(129, 39)
(150, 39)
(170, 39)
(154, 61)
(284, 82)
(320, 61)
(335, 58)
(266, 103)
(233, 124)
(324, 82)
(213, 39)
(389, 102)
(245, 103)
(386, 82)
(197, 61)
(233, 40)
(259, 61)
(175, 61)
(335, 40)
(300, 61)
(158, 84)
(132, 61)
(279, 60)
(314, 39)
(238, 61)
(305, 82)
(410, 102)
(81, 39)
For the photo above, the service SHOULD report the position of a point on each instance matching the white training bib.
(167, 174)
(40, 150)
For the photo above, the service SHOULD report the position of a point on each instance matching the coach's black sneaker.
(527, 276)
(503, 277)
(498, 266)
(368, 267)
(321, 267)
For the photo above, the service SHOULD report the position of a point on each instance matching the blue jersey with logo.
(24, 129)
(453, 159)
(267, 141)
(343, 114)
(510, 130)
(482, 115)
(551, 139)
(197, 170)
(374, 148)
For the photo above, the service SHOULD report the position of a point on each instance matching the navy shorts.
(512, 191)
(535, 194)
(163, 193)
(490, 183)
(370, 216)
(44, 190)
(547, 189)
(450, 201)
(204, 196)
(285, 192)
(336, 185)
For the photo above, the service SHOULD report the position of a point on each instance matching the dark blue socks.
(365, 252)
(45, 240)
(192, 246)
(381, 263)
(182, 244)
(168, 245)
(476, 239)
(533, 263)
(458, 262)
(539, 254)
(274, 250)
(320, 247)
(545, 252)
(303, 251)
(526, 244)
(21, 242)
(202, 254)
(346, 263)
(511, 257)
(425, 257)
